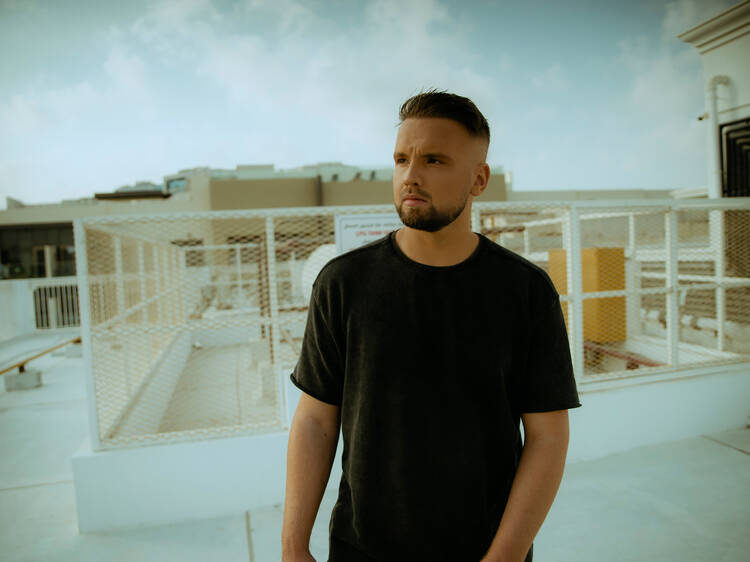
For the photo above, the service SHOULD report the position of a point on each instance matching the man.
(427, 348)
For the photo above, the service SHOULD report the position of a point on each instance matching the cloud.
(551, 79)
(291, 17)
(665, 80)
(34, 114)
(663, 100)
(187, 83)
(313, 79)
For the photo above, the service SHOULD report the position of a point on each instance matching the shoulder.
(351, 264)
(522, 271)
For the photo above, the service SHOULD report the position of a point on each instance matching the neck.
(448, 246)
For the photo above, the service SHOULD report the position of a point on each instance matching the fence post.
(476, 225)
(238, 267)
(673, 309)
(716, 241)
(142, 280)
(575, 288)
(157, 283)
(632, 281)
(120, 283)
(86, 328)
(274, 309)
(273, 297)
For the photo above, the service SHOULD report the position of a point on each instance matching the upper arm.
(546, 426)
(319, 371)
(309, 408)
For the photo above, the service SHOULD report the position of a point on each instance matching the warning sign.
(353, 231)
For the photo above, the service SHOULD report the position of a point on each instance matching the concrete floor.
(684, 501)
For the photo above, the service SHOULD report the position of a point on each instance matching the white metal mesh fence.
(195, 320)
(656, 286)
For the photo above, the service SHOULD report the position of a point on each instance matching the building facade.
(37, 240)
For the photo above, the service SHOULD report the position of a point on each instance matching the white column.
(49, 261)
(717, 244)
(157, 284)
(238, 266)
(632, 281)
(712, 107)
(274, 308)
(475, 224)
(86, 332)
(166, 286)
(672, 296)
(142, 280)
(120, 284)
(119, 281)
(575, 288)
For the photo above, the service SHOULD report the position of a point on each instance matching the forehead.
(431, 133)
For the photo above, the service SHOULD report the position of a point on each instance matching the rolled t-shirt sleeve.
(548, 383)
(319, 370)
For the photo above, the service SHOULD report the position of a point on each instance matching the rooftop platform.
(684, 500)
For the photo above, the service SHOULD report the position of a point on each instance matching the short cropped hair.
(434, 103)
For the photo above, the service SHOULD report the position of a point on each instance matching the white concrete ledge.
(162, 484)
(622, 414)
(180, 482)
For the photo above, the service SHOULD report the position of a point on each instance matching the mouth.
(413, 200)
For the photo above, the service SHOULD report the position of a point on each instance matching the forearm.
(310, 454)
(534, 488)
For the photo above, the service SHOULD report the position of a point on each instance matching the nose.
(412, 177)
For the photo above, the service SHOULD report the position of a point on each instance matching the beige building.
(37, 240)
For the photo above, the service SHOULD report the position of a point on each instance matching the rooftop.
(684, 500)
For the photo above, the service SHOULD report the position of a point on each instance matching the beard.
(429, 218)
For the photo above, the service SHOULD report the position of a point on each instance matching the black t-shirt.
(432, 368)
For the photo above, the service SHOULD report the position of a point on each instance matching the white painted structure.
(158, 478)
(190, 481)
(724, 44)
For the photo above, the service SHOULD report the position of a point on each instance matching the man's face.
(436, 163)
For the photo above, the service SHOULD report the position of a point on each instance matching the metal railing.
(196, 341)
(55, 302)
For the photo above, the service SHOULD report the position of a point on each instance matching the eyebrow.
(436, 155)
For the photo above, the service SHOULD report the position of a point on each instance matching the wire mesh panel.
(531, 231)
(645, 279)
(733, 327)
(196, 320)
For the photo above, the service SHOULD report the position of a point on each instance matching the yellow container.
(603, 269)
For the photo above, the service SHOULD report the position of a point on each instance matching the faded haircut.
(434, 103)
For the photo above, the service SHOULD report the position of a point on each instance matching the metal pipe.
(712, 103)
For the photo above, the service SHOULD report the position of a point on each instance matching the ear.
(481, 177)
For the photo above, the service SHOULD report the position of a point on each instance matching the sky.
(579, 94)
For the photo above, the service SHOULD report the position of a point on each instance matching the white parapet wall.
(623, 414)
(163, 484)
(17, 302)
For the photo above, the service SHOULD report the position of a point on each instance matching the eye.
(400, 160)
(432, 160)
